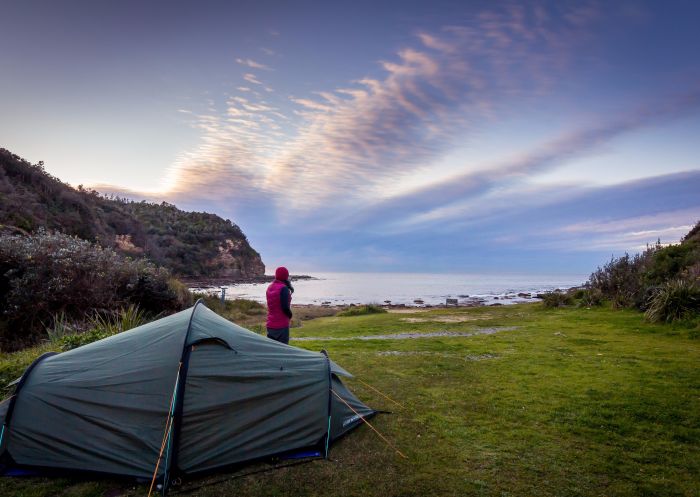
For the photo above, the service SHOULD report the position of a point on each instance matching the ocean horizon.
(411, 289)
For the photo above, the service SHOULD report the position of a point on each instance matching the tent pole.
(166, 432)
(330, 389)
(179, 403)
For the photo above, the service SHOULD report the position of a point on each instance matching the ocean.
(413, 289)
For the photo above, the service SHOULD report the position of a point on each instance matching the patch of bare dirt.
(448, 318)
(406, 336)
(406, 310)
(474, 357)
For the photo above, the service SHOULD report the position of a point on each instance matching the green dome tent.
(188, 393)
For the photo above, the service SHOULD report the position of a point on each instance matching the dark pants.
(279, 334)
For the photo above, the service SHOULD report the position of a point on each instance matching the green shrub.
(362, 310)
(556, 299)
(241, 311)
(632, 281)
(673, 301)
(589, 297)
(622, 280)
(246, 306)
(104, 325)
(670, 262)
(47, 274)
(79, 339)
(578, 294)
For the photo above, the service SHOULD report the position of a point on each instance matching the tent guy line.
(370, 425)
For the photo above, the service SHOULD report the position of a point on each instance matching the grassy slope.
(572, 402)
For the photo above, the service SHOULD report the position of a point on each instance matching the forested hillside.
(191, 244)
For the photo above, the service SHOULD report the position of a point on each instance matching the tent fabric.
(4, 405)
(346, 415)
(103, 407)
(338, 371)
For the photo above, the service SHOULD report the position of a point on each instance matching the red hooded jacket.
(276, 318)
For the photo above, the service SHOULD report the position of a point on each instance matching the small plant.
(673, 301)
(579, 293)
(116, 322)
(260, 329)
(362, 310)
(79, 339)
(556, 299)
(103, 326)
(246, 306)
(104, 323)
(131, 317)
(589, 297)
(60, 328)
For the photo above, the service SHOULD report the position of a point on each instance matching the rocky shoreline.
(219, 282)
(255, 290)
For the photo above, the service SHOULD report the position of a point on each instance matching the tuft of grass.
(556, 299)
(131, 317)
(244, 312)
(362, 310)
(105, 325)
(60, 328)
(675, 300)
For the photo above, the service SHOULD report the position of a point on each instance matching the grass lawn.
(557, 403)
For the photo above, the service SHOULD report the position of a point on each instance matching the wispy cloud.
(253, 64)
(356, 139)
(252, 78)
(347, 142)
(444, 197)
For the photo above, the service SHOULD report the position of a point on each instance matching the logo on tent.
(351, 420)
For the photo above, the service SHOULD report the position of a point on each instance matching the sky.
(435, 136)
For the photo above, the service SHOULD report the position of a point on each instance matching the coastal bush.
(671, 262)
(673, 301)
(556, 299)
(589, 297)
(622, 280)
(636, 281)
(362, 310)
(578, 293)
(47, 274)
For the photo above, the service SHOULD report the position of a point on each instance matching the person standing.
(279, 306)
